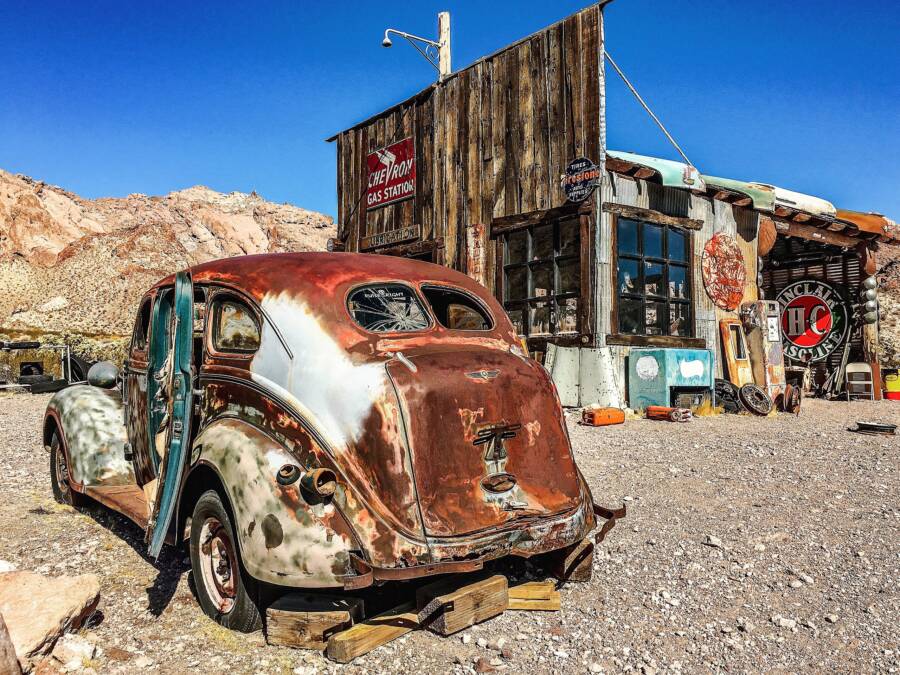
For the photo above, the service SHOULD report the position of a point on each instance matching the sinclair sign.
(814, 320)
(392, 174)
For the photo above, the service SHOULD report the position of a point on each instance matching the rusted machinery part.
(611, 516)
(791, 399)
(728, 396)
(755, 399)
(367, 574)
(659, 412)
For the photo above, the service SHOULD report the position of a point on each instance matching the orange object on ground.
(601, 417)
(660, 412)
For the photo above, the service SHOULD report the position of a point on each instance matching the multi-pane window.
(542, 277)
(653, 282)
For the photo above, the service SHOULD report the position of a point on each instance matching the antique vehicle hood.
(487, 440)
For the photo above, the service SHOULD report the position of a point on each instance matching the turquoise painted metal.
(671, 173)
(173, 465)
(653, 373)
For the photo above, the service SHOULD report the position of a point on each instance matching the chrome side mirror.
(103, 374)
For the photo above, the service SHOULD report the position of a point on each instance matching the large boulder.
(38, 609)
(9, 664)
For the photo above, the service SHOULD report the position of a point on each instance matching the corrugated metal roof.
(671, 173)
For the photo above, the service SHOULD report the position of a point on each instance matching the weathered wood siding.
(491, 141)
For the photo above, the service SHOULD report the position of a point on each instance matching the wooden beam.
(644, 172)
(722, 195)
(801, 217)
(652, 216)
(535, 596)
(307, 620)
(791, 229)
(450, 605)
(744, 201)
(362, 638)
(656, 341)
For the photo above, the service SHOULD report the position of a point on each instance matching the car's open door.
(172, 402)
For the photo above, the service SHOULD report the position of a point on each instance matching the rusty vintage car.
(323, 420)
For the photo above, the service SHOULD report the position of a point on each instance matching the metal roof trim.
(671, 173)
(798, 201)
(762, 196)
(872, 223)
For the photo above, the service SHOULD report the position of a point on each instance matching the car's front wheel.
(59, 476)
(226, 593)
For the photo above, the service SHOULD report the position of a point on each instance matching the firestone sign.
(392, 174)
(814, 320)
(580, 179)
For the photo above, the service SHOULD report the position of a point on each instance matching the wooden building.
(469, 173)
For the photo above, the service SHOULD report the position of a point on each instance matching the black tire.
(234, 607)
(59, 476)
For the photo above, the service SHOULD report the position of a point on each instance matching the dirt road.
(750, 545)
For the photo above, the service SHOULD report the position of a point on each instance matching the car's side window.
(142, 327)
(457, 310)
(235, 328)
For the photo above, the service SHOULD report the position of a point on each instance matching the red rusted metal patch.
(724, 273)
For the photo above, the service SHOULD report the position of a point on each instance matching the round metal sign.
(814, 320)
(582, 176)
(723, 272)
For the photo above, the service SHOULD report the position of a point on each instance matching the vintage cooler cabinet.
(669, 377)
(762, 325)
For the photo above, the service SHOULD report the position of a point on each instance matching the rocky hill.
(77, 267)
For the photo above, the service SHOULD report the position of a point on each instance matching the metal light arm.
(414, 40)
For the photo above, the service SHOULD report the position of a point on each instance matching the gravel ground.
(750, 545)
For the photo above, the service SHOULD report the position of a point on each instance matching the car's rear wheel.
(226, 593)
(59, 476)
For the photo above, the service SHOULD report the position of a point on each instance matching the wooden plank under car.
(455, 603)
(535, 596)
(363, 637)
(307, 620)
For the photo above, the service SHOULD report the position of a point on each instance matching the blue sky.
(106, 98)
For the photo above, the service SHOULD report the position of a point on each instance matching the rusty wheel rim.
(62, 474)
(218, 565)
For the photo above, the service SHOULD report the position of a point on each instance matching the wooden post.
(307, 620)
(444, 64)
(453, 604)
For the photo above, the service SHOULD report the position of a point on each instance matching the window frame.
(641, 258)
(583, 329)
(147, 302)
(214, 302)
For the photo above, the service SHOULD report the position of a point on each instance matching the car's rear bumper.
(521, 538)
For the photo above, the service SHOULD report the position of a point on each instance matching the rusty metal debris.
(875, 428)
(659, 412)
(755, 399)
(600, 417)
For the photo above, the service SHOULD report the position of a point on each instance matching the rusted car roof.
(328, 278)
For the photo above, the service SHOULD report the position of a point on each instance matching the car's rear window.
(387, 308)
